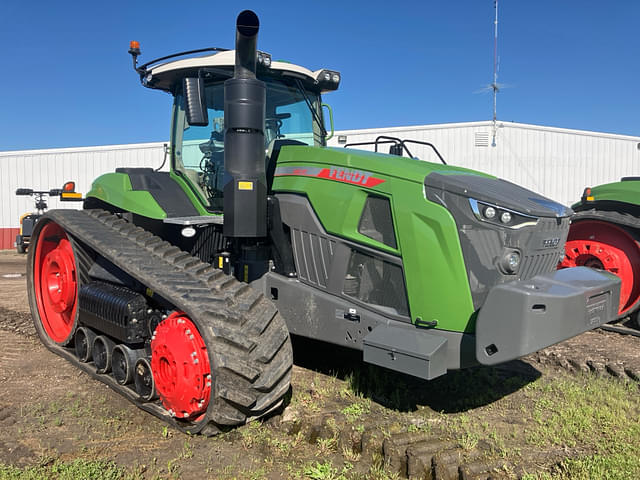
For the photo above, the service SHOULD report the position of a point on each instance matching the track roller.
(84, 343)
(143, 380)
(102, 350)
(123, 362)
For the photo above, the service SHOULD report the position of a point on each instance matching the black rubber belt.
(188, 291)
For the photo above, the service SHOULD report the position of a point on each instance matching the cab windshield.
(198, 152)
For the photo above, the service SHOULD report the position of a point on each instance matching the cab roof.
(164, 76)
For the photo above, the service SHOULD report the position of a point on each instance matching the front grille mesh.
(536, 263)
(533, 265)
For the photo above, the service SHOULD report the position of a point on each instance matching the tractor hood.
(624, 191)
(495, 192)
(437, 178)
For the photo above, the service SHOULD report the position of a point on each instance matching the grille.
(546, 261)
(533, 265)
(313, 255)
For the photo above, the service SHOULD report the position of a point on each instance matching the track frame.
(246, 338)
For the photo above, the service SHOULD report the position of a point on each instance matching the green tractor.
(604, 234)
(181, 290)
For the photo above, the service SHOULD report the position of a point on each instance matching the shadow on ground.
(458, 391)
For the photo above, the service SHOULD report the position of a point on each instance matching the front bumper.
(524, 316)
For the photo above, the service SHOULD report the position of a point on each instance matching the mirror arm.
(330, 110)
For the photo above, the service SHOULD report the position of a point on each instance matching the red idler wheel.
(180, 367)
(55, 283)
(605, 246)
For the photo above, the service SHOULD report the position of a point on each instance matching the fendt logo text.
(550, 242)
(351, 176)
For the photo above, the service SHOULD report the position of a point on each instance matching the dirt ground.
(340, 411)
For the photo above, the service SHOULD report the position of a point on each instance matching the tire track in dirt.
(600, 352)
(17, 322)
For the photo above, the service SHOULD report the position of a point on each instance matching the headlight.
(489, 212)
(264, 59)
(510, 262)
(328, 79)
(500, 216)
(505, 217)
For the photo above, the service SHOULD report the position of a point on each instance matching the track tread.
(247, 339)
(620, 218)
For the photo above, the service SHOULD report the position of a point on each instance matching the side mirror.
(328, 107)
(195, 101)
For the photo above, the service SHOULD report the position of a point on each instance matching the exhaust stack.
(245, 190)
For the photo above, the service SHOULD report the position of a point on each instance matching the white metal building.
(556, 162)
(47, 169)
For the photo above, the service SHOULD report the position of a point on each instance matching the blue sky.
(67, 78)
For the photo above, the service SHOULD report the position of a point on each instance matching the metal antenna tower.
(494, 86)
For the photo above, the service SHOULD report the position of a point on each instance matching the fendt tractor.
(180, 290)
(604, 234)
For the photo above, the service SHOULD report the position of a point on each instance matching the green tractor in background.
(604, 234)
(181, 290)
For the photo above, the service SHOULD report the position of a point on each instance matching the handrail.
(398, 142)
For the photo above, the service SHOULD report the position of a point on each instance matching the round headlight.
(489, 212)
(510, 262)
(335, 78)
(505, 217)
(327, 77)
(513, 261)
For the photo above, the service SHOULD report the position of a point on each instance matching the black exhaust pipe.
(245, 191)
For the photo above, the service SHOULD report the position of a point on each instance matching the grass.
(76, 469)
(354, 411)
(623, 465)
(593, 422)
(573, 412)
(323, 471)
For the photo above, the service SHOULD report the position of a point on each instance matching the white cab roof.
(222, 59)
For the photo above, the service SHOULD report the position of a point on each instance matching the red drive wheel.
(55, 283)
(605, 246)
(180, 367)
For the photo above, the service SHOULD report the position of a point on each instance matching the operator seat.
(272, 157)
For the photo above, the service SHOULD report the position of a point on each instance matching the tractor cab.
(293, 113)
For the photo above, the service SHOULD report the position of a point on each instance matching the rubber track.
(621, 329)
(247, 340)
(618, 218)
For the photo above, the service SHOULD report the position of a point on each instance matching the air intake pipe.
(245, 190)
